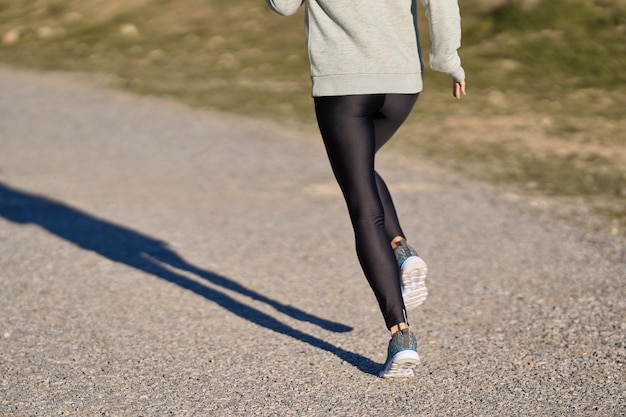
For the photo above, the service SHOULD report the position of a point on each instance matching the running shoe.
(413, 272)
(402, 356)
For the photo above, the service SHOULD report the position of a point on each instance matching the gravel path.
(158, 260)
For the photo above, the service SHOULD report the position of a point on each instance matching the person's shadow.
(152, 256)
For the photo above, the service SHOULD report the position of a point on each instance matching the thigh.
(347, 127)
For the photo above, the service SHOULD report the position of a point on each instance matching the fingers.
(458, 89)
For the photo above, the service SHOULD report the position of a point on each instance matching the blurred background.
(546, 98)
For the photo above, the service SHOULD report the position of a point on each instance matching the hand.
(458, 89)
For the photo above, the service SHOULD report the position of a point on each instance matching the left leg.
(402, 352)
(413, 269)
(387, 121)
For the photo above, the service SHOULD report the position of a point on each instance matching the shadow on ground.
(152, 256)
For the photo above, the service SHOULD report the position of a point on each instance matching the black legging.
(353, 129)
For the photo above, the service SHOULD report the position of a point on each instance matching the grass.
(552, 49)
(544, 114)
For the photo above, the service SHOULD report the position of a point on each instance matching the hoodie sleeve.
(445, 33)
(285, 7)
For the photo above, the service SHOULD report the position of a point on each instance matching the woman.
(366, 73)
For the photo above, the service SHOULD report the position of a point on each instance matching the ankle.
(395, 242)
(398, 327)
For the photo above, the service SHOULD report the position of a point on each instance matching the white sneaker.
(402, 356)
(413, 271)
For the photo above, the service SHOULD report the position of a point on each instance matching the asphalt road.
(157, 260)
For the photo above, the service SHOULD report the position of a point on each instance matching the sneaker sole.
(401, 366)
(413, 272)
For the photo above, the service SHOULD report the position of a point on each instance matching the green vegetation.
(546, 85)
(551, 49)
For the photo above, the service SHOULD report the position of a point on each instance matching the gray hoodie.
(372, 46)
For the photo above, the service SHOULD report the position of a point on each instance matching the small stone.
(156, 54)
(546, 121)
(228, 61)
(215, 42)
(45, 32)
(129, 30)
(532, 185)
